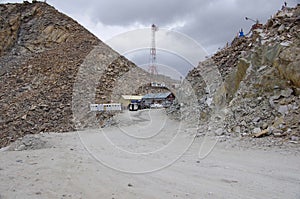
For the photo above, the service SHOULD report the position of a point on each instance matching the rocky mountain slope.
(52, 69)
(41, 51)
(260, 94)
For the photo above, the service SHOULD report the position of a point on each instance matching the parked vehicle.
(133, 107)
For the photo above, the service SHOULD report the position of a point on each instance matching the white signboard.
(156, 84)
(105, 107)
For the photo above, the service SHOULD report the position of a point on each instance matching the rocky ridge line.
(261, 89)
(41, 51)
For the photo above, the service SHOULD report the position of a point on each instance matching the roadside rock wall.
(261, 76)
(41, 52)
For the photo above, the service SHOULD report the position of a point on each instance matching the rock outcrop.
(261, 76)
(41, 52)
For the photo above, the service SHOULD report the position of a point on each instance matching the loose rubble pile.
(48, 62)
(29, 142)
(260, 93)
(41, 51)
(52, 69)
(227, 58)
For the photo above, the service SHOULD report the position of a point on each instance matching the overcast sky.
(211, 23)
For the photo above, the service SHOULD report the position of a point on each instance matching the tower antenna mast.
(152, 66)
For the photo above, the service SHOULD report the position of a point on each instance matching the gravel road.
(146, 155)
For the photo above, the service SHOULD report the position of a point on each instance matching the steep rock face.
(261, 80)
(41, 51)
(288, 64)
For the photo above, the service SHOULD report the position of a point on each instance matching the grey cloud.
(219, 21)
(212, 23)
(126, 12)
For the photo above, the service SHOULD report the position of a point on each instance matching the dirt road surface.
(146, 155)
